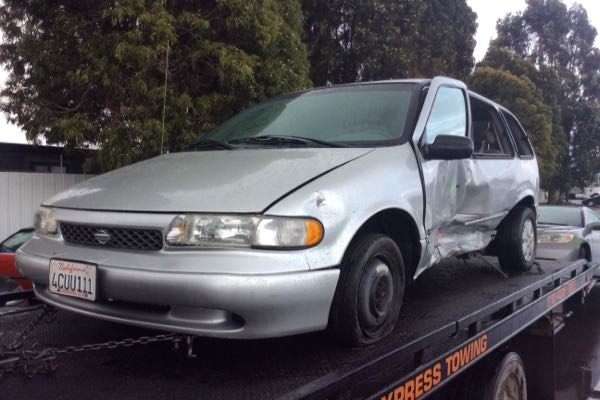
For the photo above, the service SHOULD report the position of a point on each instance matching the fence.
(21, 193)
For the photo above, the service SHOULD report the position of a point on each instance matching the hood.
(240, 181)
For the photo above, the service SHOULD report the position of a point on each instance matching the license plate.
(71, 278)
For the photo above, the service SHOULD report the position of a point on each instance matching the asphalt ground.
(257, 369)
(578, 348)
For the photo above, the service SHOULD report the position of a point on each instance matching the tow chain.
(15, 358)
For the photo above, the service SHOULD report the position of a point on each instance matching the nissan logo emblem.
(102, 237)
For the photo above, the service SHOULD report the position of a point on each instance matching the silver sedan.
(568, 233)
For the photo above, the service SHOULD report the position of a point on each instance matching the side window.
(448, 114)
(490, 136)
(523, 145)
(592, 217)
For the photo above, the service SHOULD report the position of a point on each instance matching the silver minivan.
(312, 210)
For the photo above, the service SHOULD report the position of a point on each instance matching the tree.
(586, 147)
(559, 42)
(546, 82)
(380, 39)
(83, 72)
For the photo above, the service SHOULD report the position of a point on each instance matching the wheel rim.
(510, 389)
(528, 240)
(375, 295)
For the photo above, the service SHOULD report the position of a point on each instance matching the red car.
(7, 258)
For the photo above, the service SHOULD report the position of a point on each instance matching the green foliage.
(85, 72)
(558, 43)
(586, 147)
(547, 87)
(380, 39)
(520, 95)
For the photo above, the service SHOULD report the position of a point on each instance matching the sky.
(488, 13)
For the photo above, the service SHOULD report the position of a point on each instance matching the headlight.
(556, 238)
(243, 231)
(44, 221)
(287, 232)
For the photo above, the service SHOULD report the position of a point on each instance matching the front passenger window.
(448, 114)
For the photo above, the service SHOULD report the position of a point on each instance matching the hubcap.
(528, 240)
(510, 389)
(375, 295)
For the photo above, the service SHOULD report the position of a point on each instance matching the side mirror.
(448, 147)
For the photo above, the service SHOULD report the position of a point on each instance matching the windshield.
(570, 216)
(347, 115)
(13, 243)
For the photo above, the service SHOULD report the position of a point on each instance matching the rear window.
(521, 140)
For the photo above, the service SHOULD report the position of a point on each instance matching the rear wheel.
(517, 239)
(370, 291)
(508, 382)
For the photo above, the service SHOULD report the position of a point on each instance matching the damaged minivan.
(309, 211)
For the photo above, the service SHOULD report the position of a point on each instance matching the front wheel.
(517, 239)
(370, 291)
(583, 253)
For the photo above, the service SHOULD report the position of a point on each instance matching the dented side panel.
(465, 200)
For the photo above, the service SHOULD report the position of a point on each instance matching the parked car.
(10, 279)
(593, 201)
(308, 211)
(568, 233)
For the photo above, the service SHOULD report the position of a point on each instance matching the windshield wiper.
(279, 140)
(207, 144)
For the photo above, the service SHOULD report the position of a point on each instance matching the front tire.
(517, 239)
(583, 253)
(370, 291)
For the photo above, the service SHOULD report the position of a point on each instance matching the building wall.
(26, 157)
(21, 193)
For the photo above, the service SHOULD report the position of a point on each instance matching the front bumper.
(222, 305)
(557, 251)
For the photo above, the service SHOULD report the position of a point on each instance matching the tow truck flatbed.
(453, 316)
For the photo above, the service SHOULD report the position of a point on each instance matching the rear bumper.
(207, 304)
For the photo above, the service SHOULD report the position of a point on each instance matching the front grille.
(113, 237)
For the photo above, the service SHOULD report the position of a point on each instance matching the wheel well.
(402, 229)
(527, 202)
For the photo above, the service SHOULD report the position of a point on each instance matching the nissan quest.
(306, 212)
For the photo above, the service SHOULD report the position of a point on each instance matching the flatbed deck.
(442, 309)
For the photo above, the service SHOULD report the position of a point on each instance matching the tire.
(370, 291)
(517, 239)
(583, 253)
(8, 286)
(508, 382)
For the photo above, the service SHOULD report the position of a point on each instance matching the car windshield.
(12, 243)
(372, 115)
(570, 216)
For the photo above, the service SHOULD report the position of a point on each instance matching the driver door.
(445, 112)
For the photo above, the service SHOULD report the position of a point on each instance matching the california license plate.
(71, 278)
